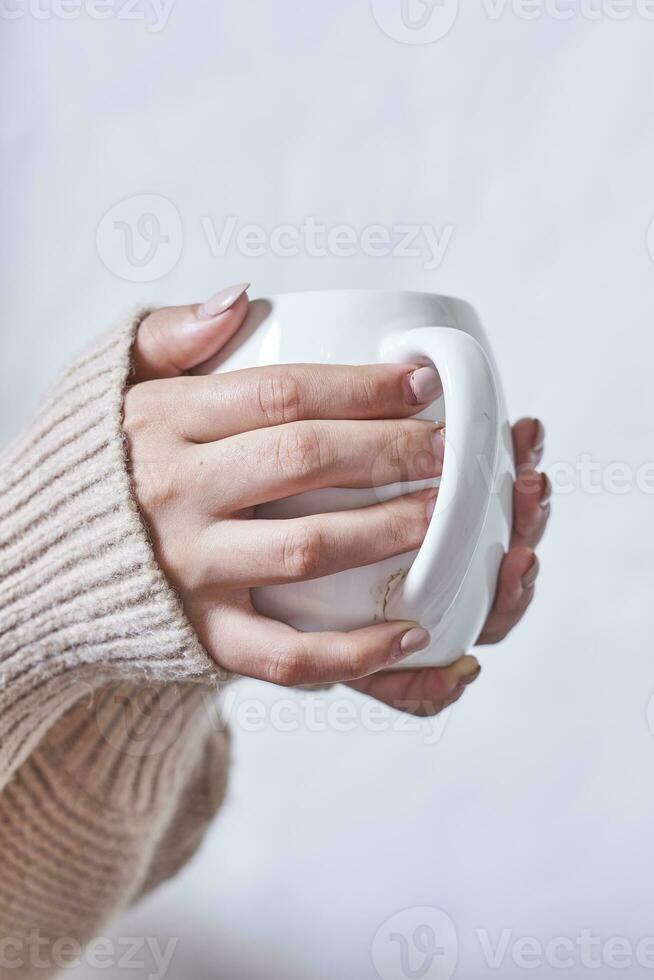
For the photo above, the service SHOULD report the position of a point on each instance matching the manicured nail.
(439, 442)
(531, 574)
(538, 438)
(413, 640)
(471, 677)
(463, 682)
(222, 301)
(424, 386)
(546, 492)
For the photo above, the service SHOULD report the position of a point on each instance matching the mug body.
(356, 327)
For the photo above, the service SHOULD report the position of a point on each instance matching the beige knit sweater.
(112, 755)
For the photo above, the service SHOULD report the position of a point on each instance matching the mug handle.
(472, 447)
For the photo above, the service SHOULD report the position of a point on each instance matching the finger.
(211, 407)
(176, 338)
(250, 553)
(515, 590)
(252, 645)
(531, 507)
(528, 441)
(422, 692)
(269, 464)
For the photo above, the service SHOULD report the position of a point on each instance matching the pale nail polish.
(412, 641)
(465, 673)
(439, 442)
(222, 301)
(470, 678)
(425, 385)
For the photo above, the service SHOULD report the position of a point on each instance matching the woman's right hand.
(206, 450)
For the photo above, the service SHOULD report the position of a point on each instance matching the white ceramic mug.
(449, 584)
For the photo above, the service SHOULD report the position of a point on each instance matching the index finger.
(212, 407)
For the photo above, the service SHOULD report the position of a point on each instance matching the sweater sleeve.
(83, 601)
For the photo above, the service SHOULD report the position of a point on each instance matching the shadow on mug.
(258, 312)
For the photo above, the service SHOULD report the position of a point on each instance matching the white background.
(533, 139)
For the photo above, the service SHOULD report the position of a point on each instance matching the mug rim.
(369, 291)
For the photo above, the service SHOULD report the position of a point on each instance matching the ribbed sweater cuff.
(82, 598)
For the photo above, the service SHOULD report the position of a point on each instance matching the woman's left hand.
(431, 689)
(167, 351)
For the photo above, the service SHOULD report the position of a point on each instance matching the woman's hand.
(206, 450)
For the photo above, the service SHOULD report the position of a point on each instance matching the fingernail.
(439, 442)
(222, 301)
(538, 438)
(546, 492)
(463, 682)
(531, 574)
(471, 677)
(424, 386)
(431, 506)
(410, 642)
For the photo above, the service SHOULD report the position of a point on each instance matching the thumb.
(176, 338)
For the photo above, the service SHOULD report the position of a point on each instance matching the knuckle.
(279, 397)
(400, 446)
(157, 483)
(154, 489)
(370, 391)
(139, 408)
(149, 410)
(352, 665)
(528, 522)
(154, 468)
(403, 530)
(355, 661)
(302, 551)
(286, 668)
(528, 483)
(154, 333)
(185, 564)
(299, 450)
